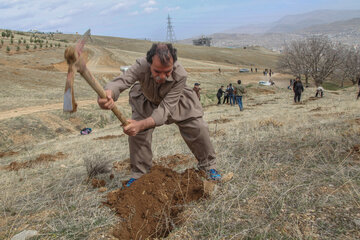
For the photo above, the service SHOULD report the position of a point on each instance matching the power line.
(170, 35)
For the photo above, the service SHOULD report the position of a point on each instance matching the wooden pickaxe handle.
(100, 91)
(71, 56)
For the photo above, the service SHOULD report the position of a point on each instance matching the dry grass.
(294, 179)
(296, 167)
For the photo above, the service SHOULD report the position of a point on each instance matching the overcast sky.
(148, 18)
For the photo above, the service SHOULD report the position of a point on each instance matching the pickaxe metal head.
(71, 55)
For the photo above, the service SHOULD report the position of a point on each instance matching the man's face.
(161, 72)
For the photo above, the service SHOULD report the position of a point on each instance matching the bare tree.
(350, 65)
(315, 57)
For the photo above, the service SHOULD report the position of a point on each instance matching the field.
(295, 166)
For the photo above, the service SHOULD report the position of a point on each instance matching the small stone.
(102, 189)
(357, 222)
(26, 234)
(227, 177)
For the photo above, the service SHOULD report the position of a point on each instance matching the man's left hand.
(133, 128)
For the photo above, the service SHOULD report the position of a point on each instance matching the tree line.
(320, 58)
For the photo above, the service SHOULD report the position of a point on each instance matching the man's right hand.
(108, 102)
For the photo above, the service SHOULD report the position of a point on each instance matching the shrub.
(17, 48)
(59, 45)
(11, 41)
(24, 40)
(2, 42)
(31, 40)
(3, 34)
(40, 45)
(27, 46)
(19, 41)
(35, 47)
(8, 49)
(50, 44)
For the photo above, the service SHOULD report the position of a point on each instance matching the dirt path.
(56, 106)
(101, 61)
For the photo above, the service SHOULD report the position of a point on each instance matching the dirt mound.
(96, 183)
(152, 206)
(109, 137)
(261, 91)
(5, 154)
(173, 161)
(311, 99)
(43, 158)
(222, 120)
(316, 109)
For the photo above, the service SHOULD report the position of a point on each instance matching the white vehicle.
(265, 83)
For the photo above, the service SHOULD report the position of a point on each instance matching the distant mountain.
(348, 26)
(251, 29)
(340, 25)
(293, 23)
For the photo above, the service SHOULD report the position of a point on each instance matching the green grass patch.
(331, 86)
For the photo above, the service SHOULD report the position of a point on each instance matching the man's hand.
(108, 102)
(134, 127)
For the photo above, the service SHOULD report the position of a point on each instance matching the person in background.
(319, 92)
(298, 88)
(226, 95)
(239, 92)
(358, 87)
(197, 89)
(219, 94)
(231, 95)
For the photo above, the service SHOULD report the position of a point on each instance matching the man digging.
(158, 96)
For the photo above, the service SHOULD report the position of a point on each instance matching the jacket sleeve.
(124, 81)
(168, 105)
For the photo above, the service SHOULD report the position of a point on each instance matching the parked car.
(244, 70)
(265, 83)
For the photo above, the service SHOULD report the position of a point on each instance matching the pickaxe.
(72, 56)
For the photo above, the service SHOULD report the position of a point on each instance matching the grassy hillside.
(259, 57)
(295, 166)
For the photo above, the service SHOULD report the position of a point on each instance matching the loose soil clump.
(97, 183)
(5, 154)
(173, 161)
(43, 158)
(223, 120)
(109, 137)
(151, 207)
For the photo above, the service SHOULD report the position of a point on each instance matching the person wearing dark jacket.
(219, 94)
(359, 88)
(231, 95)
(226, 95)
(298, 89)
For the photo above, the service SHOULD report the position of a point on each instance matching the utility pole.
(170, 35)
